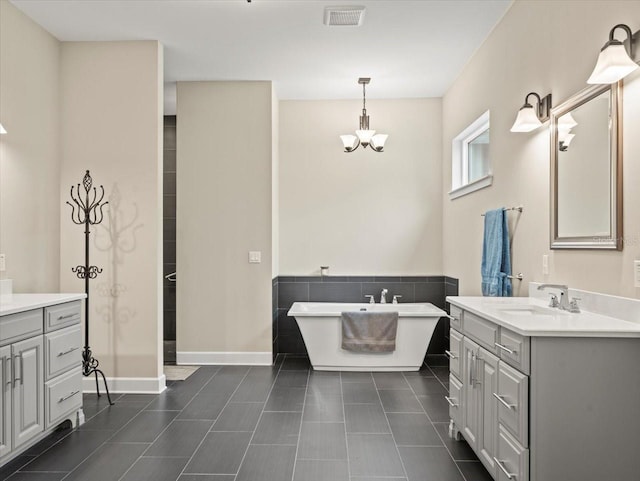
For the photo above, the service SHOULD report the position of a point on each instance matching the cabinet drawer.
(515, 349)
(63, 395)
(62, 350)
(511, 458)
(480, 330)
(62, 315)
(455, 353)
(513, 402)
(455, 400)
(21, 325)
(456, 313)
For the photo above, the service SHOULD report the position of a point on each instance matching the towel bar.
(519, 276)
(519, 209)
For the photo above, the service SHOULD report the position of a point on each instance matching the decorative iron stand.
(88, 211)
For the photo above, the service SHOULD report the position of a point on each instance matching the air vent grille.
(343, 16)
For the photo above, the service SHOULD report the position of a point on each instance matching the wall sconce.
(614, 63)
(2, 131)
(528, 118)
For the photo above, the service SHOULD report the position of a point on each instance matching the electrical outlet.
(636, 273)
(255, 257)
(3, 264)
(545, 264)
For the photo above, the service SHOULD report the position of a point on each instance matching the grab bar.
(171, 277)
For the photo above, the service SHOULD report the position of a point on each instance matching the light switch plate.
(545, 264)
(255, 257)
(3, 264)
(636, 273)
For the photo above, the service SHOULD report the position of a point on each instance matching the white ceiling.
(409, 48)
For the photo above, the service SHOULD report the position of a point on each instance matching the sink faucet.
(383, 296)
(564, 295)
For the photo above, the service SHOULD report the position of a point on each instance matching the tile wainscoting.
(289, 289)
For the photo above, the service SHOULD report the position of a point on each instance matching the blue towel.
(496, 256)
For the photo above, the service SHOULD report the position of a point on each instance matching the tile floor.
(281, 423)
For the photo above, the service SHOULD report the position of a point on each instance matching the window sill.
(481, 183)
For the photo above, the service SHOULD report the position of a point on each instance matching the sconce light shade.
(377, 142)
(349, 142)
(2, 131)
(527, 120)
(614, 62)
(566, 122)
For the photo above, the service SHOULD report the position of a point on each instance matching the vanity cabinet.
(40, 370)
(544, 407)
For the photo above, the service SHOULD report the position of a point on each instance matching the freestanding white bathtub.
(321, 329)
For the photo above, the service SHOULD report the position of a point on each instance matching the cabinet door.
(487, 384)
(28, 390)
(471, 411)
(5, 400)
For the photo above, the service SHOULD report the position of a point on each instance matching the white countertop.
(548, 322)
(26, 302)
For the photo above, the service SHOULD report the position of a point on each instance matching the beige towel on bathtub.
(364, 331)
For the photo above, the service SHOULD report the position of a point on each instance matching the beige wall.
(111, 98)
(29, 153)
(542, 46)
(224, 211)
(275, 185)
(361, 213)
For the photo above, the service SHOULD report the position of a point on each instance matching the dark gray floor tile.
(286, 399)
(429, 464)
(145, 427)
(253, 390)
(292, 379)
(474, 471)
(112, 418)
(15, 464)
(180, 439)
(219, 453)
(207, 477)
(399, 401)
(413, 429)
(348, 376)
(441, 372)
(239, 417)
(436, 407)
(424, 372)
(373, 455)
(324, 383)
(321, 470)
(426, 385)
(390, 380)
(365, 418)
(49, 441)
(69, 452)
(172, 399)
(374, 478)
(92, 404)
(460, 450)
(156, 469)
(322, 394)
(137, 398)
(323, 412)
(295, 363)
(109, 463)
(267, 463)
(205, 406)
(355, 392)
(322, 441)
(278, 428)
(36, 477)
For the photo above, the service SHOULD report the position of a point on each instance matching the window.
(470, 162)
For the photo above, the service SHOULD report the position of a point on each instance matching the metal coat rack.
(88, 212)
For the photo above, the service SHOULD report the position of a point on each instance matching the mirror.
(586, 170)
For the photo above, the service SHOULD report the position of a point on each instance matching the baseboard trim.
(233, 358)
(137, 385)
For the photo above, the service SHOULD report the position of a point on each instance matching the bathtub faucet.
(383, 296)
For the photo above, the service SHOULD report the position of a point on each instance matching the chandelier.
(364, 136)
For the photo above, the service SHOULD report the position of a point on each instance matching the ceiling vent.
(336, 16)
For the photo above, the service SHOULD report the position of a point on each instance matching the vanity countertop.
(532, 317)
(26, 302)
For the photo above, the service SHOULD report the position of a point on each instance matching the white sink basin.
(528, 310)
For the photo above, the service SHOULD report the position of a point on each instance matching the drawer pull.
(503, 469)
(62, 399)
(9, 365)
(68, 351)
(67, 316)
(504, 403)
(451, 402)
(17, 360)
(453, 318)
(505, 348)
(451, 355)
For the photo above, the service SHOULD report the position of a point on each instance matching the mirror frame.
(614, 241)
